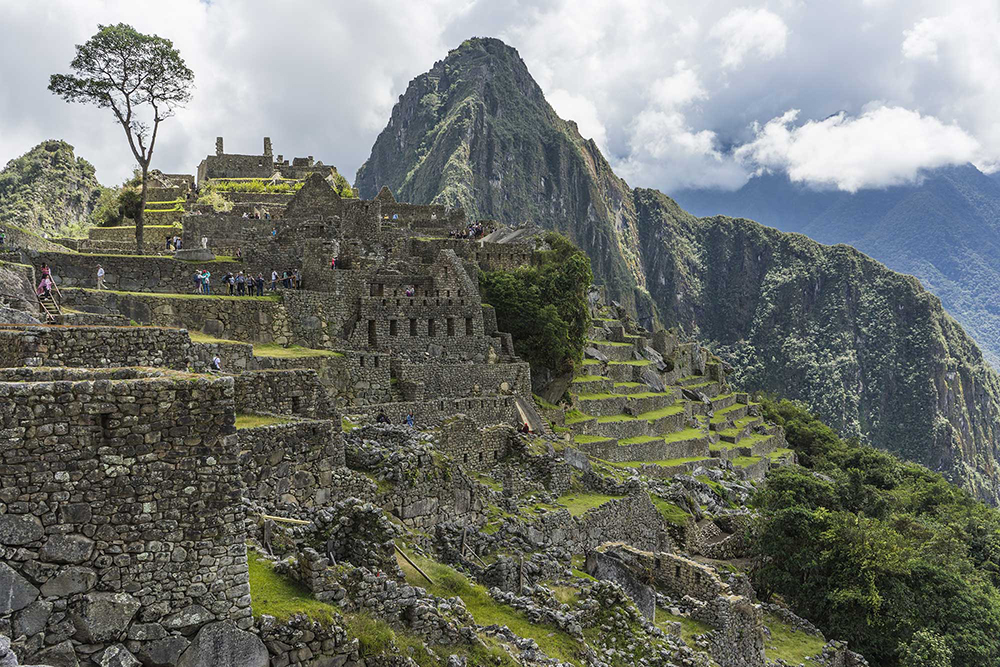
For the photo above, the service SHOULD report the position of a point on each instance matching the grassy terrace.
(449, 583)
(282, 598)
(667, 463)
(596, 396)
(579, 503)
(608, 343)
(254, 421)
(589, 378)
(652, 415)
(628, 384)
(640, 439)
(721, 415)
(575, 416)
(690, 628)
(671, 513)
(592, 362)
(290, 352)
(634, 362)
(746, 461)
(586, 439)
(686, 434)
(779, 453)
(792, 646)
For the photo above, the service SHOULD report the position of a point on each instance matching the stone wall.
(444, 380)
(285, 392)
(153, 235)
(246, 319)
(486, 409)
(120, 512)
(17, 288)
(129, 273)
(291, 463)
(93, 347)
(478, 449)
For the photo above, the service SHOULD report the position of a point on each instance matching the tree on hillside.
(141, 78)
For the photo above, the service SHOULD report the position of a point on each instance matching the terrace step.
(613, 351)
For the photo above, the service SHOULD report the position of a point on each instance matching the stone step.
(599, 404)
(723, 401)
(667, 472)
(692, 380)
(613, 351)
(592, 384)
(739, 430)
(628, 428)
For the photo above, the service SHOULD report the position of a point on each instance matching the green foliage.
(875, 550)
(49, 189)
(544, 306)
(342, 187)
(926, 649)
(255, 185)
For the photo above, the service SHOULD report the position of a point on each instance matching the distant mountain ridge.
(945, 230)
(48, 189)
(867, 348)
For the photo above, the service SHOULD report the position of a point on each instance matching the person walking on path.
(100, 277)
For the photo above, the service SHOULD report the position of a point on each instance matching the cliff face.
(48, 189)
(475, 131)
(867, 348)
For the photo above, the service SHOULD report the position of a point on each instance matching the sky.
(850, 95)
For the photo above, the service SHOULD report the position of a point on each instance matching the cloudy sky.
(849, 94)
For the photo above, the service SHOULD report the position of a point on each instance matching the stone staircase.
(48, 305)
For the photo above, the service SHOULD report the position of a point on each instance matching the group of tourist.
(475, 230)
(174, 243)
(382, 418)
(45, 285)
(202, 282)
(244, 285)
(257, 215)
(290, 279)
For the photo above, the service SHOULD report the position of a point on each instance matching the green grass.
(671, 513)
(579, 503)
(290, 352)
(589, 378)
(253, 421)
(634, 362)
(542, 403)
(611, 419)
(277, 596)
(575, 416)
(650, 394)
(609, 343)
(690, 628)
(448, 583)
(199, 337)
(745, 461)
(779, 453)
(628, 384)
(686, 434)
(653, 415)
(792, 646)
(596, 397)
(346, 425)
(585, 439)
(592, 362)
(639, 439)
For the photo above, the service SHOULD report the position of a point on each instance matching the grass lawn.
(280, 597)
(589, 378)
(779, 453)
(575, 416)
(253, 421)
(610, 419)
(628, 384)
(290, 352)
(670, 512)
(596, 397)
(690, 628)
(634, 362)
(653, 415)
(639, 439)
(666, 463)
(744, 461)
(792, 646)
(584, 439)
(686, 434)
(578, 503)
(609, 343)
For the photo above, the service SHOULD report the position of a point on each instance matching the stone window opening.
(393, 328)
(106, 425)
(413, 327)
(296, 404)
(481, 457)
(468, 326)
(362, 358)
(465, 458)
(376, 361)
(677, 571)
(431, 328)
(447, 292)
(451, 326)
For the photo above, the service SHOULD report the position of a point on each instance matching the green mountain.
(867, 348)
(48, 189)
(944, 229)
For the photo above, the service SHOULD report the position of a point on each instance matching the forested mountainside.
(48, 189)
(945, 230)
(867, 348)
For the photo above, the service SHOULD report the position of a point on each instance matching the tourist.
(382, 418)
(241, 284)
(205, 282)
(274, 233)
(333, 263)
(525, 428)
(298, 278)
(245, 216)
(100, 277)
(46, 271)
(197, 281)
(168, 243)
(225, 281)
(239, 254)
(284, 279)
(267, 214)
(44, 287)
(274, 279)
(409, 419)
(177, 243)
(260, 284)
(3, 238)
(216, 364)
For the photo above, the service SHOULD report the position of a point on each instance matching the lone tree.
(141, 78)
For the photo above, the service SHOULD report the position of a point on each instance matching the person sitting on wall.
(216, 364)
(382, 418)
(525, 428)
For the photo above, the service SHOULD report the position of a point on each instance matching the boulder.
(594, 353)
(163, 652)
(117, 655)
(16, 592)
(32, 619)
(67, 549)
(76, 579)
(222, 644)
(60, 655)
(188, 619)
(103, 617)
(18, 529)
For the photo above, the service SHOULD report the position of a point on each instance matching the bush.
(544, 306)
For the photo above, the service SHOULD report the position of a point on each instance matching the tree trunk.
(142, 209)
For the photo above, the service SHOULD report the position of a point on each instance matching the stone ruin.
(129, 492)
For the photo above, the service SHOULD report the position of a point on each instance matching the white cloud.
(744, 31)
(882, 147)
(583, 112)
